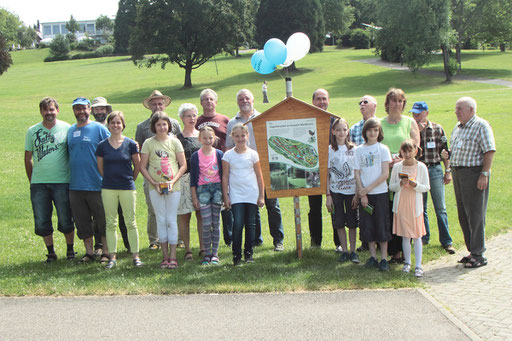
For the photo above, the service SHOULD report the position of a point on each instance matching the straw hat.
(156, 94)
(101, 102)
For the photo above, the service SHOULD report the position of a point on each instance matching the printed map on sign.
(293, 154)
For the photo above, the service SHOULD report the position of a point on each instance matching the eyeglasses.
(363, 102)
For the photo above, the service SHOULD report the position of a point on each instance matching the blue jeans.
(227, 226)
(210, 194)
(435, 173)
(243, 214)
(275, 223)
(42, 196)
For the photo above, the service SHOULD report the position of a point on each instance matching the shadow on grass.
(271, 272)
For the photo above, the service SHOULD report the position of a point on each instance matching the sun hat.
(156, 94)
(419, 107)
(101, 102)
(81, 101)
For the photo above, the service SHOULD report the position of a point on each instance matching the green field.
(125, 86)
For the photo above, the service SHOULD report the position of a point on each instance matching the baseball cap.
(419, 107)
(81, 101)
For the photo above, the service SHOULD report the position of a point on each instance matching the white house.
(87, 28)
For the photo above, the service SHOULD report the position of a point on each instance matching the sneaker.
(215, 260)
(237, 260)
(384, 266)
(406, 268)
(137, 263)
(354, 258)
(371, 263)
(344, 257)
(50, 258)
(153, 246)
(418, 272)
(449, 249)
(205, 261)
(338, 249)
(279, 247)
(111, 264)
(249, 259)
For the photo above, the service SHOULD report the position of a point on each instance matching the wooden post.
(296, 199)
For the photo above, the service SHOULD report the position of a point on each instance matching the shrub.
(85, 45)
(105, 50)
(59, 46)
(360, 39)
(56, 58)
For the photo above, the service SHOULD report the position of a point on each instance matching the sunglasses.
(363, 102)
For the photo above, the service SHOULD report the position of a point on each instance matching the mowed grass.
(125, 86)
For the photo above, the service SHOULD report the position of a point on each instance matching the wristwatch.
(485, 173)
(448, 170)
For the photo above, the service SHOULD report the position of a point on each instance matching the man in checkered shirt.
(367, 106)
(432, 142)
(472, 150)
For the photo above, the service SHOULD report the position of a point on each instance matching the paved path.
(480, 298)
(396, 66)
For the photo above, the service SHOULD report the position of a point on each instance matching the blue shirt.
(82, 143)
(117, 164)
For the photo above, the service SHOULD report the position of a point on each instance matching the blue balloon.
(260, 64)
(275, 51)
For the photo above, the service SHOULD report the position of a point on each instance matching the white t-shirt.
(341, 170)
(369, 160)
(243, 186)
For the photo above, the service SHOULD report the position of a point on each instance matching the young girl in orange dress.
(409, 179)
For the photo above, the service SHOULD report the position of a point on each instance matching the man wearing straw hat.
(155, 102)
(100, 109)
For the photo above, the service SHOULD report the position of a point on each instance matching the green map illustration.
(300, 153)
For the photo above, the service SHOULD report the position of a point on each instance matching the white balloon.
(287, 62)
(298, 46)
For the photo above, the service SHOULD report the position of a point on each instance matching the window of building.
(56, 29)
(63, 29)
(82, 28)
(47, 30)
(90, 29)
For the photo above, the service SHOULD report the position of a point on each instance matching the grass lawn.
(125, 86)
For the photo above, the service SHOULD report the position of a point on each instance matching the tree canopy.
(338, 16)
(171, 29)
(280, 19)
(242, 26)
(124, 24)
(9, 24)
(5, 57)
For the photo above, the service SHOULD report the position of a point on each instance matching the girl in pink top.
(206, 189)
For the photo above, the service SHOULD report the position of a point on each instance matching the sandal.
(173, 263)
(214, 260)
(164, 264)
(188, 256)
(464, 260)
(70, 255)
(475, 263)
(86, 258)
(111, 263)
(50, 258)
(137, 262)
(104, 258)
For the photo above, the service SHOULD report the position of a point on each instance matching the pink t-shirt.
(208, 168)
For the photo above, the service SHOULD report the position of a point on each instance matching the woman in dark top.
(118, 163)
(190, 142)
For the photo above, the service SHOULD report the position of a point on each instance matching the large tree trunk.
(446, 62)
(188, 74)
(458, 56)
(503, 47)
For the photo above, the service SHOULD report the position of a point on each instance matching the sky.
(29, 11)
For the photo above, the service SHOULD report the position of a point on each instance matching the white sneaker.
(339, 249)
(418, 272)
(406, 268)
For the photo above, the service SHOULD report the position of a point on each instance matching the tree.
(242, 24)
(105, 24)
(365, 12)
(338, 16)
(9, 24)
(59, 47)
(170, 28)
(124, 24)
(26, 36)
(72, 26)
(5, 57)
(494, 23)
(280, 19)
(413, 30)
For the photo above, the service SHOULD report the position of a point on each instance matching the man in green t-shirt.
(46, 165)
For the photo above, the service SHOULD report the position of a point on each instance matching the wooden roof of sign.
(293, 174)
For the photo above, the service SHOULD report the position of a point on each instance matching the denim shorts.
(209, 193)
(42, 196)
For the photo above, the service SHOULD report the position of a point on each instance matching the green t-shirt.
(49, 153)
(162, 162)
(395, 134)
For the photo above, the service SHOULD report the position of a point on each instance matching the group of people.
(211, 168)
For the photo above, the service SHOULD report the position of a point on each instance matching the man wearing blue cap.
(432, 142)
(85, 184)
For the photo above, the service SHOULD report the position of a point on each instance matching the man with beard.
(85, 186)
(46, 165)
